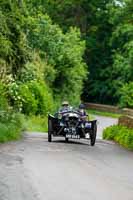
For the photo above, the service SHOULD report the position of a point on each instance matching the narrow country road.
(33, 169)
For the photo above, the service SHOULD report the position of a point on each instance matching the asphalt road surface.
(33, 169)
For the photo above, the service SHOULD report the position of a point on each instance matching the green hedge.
(120, 134)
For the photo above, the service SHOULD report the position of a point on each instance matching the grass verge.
(11, 125)
(120, 134)
(36, 123)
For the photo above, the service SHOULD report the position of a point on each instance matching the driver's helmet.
(81, 106)
(65, 103)
(65, 106)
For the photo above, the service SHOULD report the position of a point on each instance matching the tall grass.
(36, 123)
(11, 125)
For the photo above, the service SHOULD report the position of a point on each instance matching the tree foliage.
(69, 49)
(107, 28)
(14, 48)
(38, 60)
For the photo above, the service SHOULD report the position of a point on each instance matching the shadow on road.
(71, 142)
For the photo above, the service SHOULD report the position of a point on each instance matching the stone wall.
(107, 108)
(103, 107)
(126, 121)
(127, 111)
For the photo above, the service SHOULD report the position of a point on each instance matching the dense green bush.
(38, 69)
(126, 99)
(31, 97)
(22, 99)
(120, 134)
(43, 96)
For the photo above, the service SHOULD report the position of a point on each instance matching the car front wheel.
(93, 135)
(49, 131)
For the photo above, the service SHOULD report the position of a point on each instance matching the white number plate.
(73, 136)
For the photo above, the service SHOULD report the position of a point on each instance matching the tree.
(93, 20)
(14, 48)
(122, 46)
(61, 51)
(107, 28)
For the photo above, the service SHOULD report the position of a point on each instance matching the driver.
(65, 107)
(83, 117)
(82, 112)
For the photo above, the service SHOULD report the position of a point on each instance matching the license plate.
(72, 136)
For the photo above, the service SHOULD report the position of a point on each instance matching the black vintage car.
(70, 125)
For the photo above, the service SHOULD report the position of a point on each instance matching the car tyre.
(66, 139)
(93, 135)
(49, 131)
